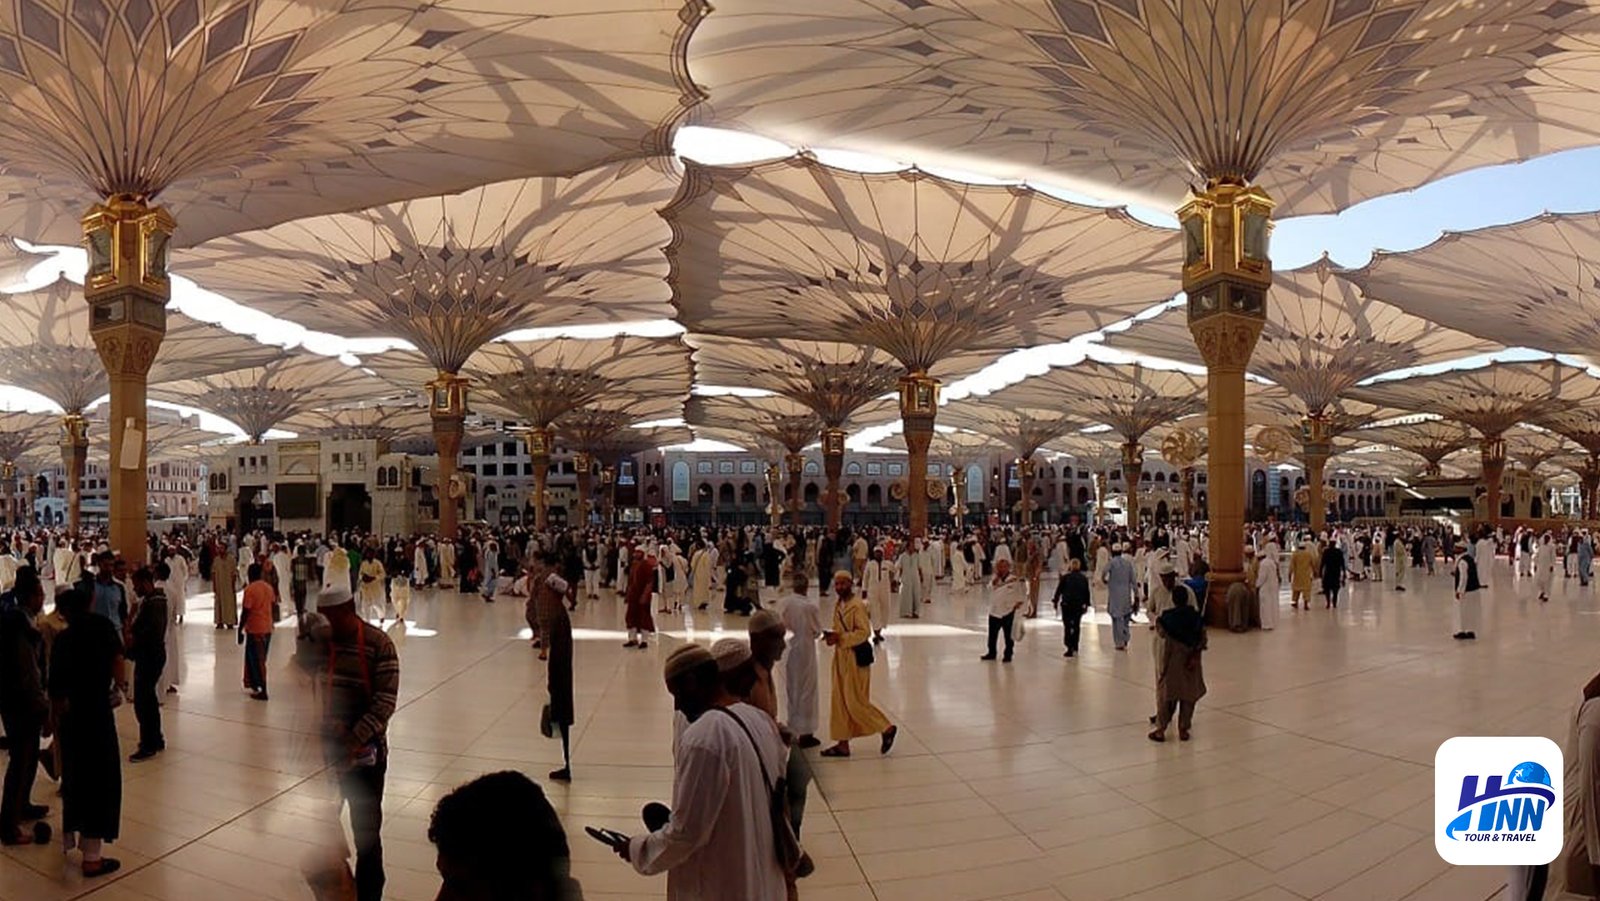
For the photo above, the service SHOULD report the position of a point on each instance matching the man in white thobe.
(719, 842)
(1268, 577)
(876, 578)
(282, 568)
(177, 591)
(803, 619)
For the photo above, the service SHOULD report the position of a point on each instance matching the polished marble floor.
(1309, 775)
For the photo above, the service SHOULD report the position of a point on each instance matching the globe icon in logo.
(1529, 773)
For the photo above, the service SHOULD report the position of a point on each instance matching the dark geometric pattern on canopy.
(601, 430)
(379, 421)
(920, 267)
(1131, 398)
(1023, 431)
(840, 382)
(1533, 447)
(1325, 102)
(168, 434)
(1430, 439)
(541, 380)
(45, 347)
(21, 433)
(782, 421)
(1491, 398)
(242, 114)
(260, 398)
(1321, 339)
(1534, 283)
(1580, 423)
(450, 273)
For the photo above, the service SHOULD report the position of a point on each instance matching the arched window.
(975, 484)
(725, 494)
(852, 494)
(747, 495)
(1083, 496)
(394, 476)
(704, 494)
(812, 468)
(1161, 477)
(680, 482)
(852, 468)
(874, 495)
(811, 492)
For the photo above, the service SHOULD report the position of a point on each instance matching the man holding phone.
(718, 842)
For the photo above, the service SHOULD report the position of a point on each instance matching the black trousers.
(1073, 628)
(146, 703)
(998, 624)
(21, 768)
(362, 788)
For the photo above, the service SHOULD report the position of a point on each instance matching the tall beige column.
(1492, 454)
(127, 288)
(774, 494)
(833, 468)
(1026, 470)
(796, 464)
(919, 404)
(1316, 447)
(1186, 475)
(608, 495)
(74, 457)
(447, 405)
(958, 490)
(1102, 486)
(1589, 486)
(1133, 477)
(541, 442)
(8, 490)
(584, 464)
(1226, 275)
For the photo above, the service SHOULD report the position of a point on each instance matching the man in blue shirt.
(110, 600)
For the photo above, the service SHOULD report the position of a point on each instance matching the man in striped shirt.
(359, 678)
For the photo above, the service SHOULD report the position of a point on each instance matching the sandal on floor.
(1157, 736)
(835, 752)
(889, 735)
(101, 867)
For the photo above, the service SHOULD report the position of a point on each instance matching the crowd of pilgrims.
(865, 579)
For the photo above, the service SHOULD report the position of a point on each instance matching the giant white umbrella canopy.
(1023, 431)
(47, 347)
(450, 273)
(170, 435)
(780, 425)
(241, 115)
(922, 268)
(1323, 103)
(1130, 397)
(610, 429)
(1534, 283)
(382, 421)
(260, 398)
(1321, 337)
(1319, 103)
(537, 381)
(843, 384)
(1491, 399)
(1430, 439)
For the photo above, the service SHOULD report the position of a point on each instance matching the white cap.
(335, 595)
